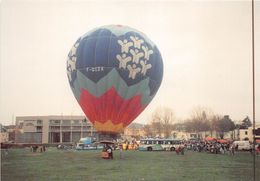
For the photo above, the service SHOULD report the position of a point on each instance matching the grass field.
(21, 164)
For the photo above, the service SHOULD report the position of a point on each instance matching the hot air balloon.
(114, 72)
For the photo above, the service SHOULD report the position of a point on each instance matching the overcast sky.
(205, 45)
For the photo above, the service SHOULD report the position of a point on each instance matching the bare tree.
(162, 121)
(214, 123)
(180, 126)
(148, 130)
(190, 126)
(200, 119)
(224, 125)
(157, 128)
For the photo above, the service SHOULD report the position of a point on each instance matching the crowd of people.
(211, 147)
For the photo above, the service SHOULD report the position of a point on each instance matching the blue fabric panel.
(104, 49)
(114, 50)
(86, 53)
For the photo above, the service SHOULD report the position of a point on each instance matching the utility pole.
(61, 128)
(253, 79)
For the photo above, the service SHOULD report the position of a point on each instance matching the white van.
(242, 145)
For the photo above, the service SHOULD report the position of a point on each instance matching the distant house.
(231, 135)
(247, 133)
(135, 130)
(179, 135)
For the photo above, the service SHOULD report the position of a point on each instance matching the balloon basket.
(104, 155)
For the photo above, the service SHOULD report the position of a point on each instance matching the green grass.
(21, 164)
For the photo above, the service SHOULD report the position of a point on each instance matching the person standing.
(110, 152)
(120, 151)
(232, 149)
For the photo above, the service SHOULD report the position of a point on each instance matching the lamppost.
(253, 79)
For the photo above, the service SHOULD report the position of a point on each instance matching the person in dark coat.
(110, 151)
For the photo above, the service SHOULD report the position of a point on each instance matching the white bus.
(151, 144)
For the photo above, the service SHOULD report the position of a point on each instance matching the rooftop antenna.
(13, 119)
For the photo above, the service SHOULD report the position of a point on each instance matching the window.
(54, 121)
(39, 129)
(55, 128)
(168, 142)
(20, 124)
(39, 121)
(29, 124)
(245, 132)
(65, 121)
(144, 142)
(75, 122)
(65, 127)
(76, 128)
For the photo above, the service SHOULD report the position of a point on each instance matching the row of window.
(66, 121)
(161, 142)
(58, 128)
(69, 127)
(52, 122)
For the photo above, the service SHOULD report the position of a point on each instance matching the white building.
(231, 135)
(247, 134)
(52, 129)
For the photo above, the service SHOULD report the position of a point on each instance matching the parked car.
(242, 145)
(88, 143)
(92, 146)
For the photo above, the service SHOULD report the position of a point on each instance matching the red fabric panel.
(110, 106)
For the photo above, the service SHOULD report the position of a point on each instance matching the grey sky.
(205, 45)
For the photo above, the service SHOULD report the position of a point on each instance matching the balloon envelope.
(114, 72)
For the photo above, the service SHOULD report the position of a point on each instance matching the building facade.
(134, 130)
(52, 129)
(247, 134)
